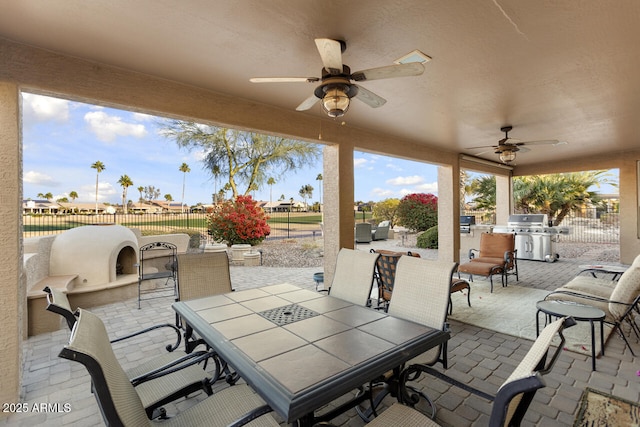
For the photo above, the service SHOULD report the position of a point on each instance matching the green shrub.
(428, 239)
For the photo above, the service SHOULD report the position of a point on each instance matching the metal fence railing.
(587, 225)
(283, 224)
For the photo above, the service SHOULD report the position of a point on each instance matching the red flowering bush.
(418, 211)
(238, 221)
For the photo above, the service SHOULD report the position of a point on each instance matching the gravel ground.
(308, 252)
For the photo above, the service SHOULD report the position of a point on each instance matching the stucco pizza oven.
(98, 254)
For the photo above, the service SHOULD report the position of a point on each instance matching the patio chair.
(353, 277)
(202, 275)
(497, 255)
(363, 232)
(618, 299)
(421, 294)
(385, 273)
(119, 400)
(164, 388)
(381, 231)
(512, 399)
(157, 261)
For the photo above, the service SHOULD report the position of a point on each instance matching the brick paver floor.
(480, 357)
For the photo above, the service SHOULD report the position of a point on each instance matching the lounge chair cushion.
(625, 291)
(480, 268)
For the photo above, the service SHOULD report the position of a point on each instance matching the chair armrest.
(174, 366)
(509, 256)
(252, 415)
(169, 347)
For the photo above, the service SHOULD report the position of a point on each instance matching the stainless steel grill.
(466, 221)
(535, 238)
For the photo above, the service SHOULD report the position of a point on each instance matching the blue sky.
(62, 139)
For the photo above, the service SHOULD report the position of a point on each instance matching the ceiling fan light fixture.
(335, 101)
(507, 156)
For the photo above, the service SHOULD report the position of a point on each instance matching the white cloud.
(106, 191)
(427, 187)
(43, 108)
(406, 180)
(107, 127)
(359, 162)
(393, 166)
(383, 193)
(141, 117)
(38, 178)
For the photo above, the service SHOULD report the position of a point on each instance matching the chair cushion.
(479, 268)
(590, 285)
(489, 260)
(626, 291)
(494, 245)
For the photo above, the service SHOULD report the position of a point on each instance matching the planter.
(238, 251)
(252, 258)
(215, 247)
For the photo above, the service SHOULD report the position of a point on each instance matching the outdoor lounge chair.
(512, 399)
(381, 231)
(421, 294)
(618, 299)
(497, 255)
(363, 232)
(353, 278)
(163, 389)
(120, 403)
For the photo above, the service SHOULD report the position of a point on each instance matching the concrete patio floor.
(480, 357)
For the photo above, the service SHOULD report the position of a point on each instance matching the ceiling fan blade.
(482, 146)
(331, 54)
(370, 98)
(389, 71)
(308, 103)
(542, 142)
(284, 80)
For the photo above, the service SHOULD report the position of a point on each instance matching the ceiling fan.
(336, 88)
(507, 147)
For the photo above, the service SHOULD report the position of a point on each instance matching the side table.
(579, 312)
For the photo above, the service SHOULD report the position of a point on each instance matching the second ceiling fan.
(336, 86)
(507, 147)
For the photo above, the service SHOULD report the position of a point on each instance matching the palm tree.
(168, 198)
(319, 178)
(306, 191)
(140, 190)
(99, 167)
(184, 168)
(73, 196)
(270, 183)
(125, 182)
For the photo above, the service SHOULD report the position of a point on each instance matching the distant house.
(171, 207)
(39, 207)
(85, 208)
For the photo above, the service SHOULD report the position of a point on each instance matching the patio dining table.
(300, 349)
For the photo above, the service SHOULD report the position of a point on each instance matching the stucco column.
(449, 213)
(504, 199)
(337, 179)
(12, 316)
(629, 209)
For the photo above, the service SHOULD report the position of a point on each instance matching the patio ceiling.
(552, 69)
